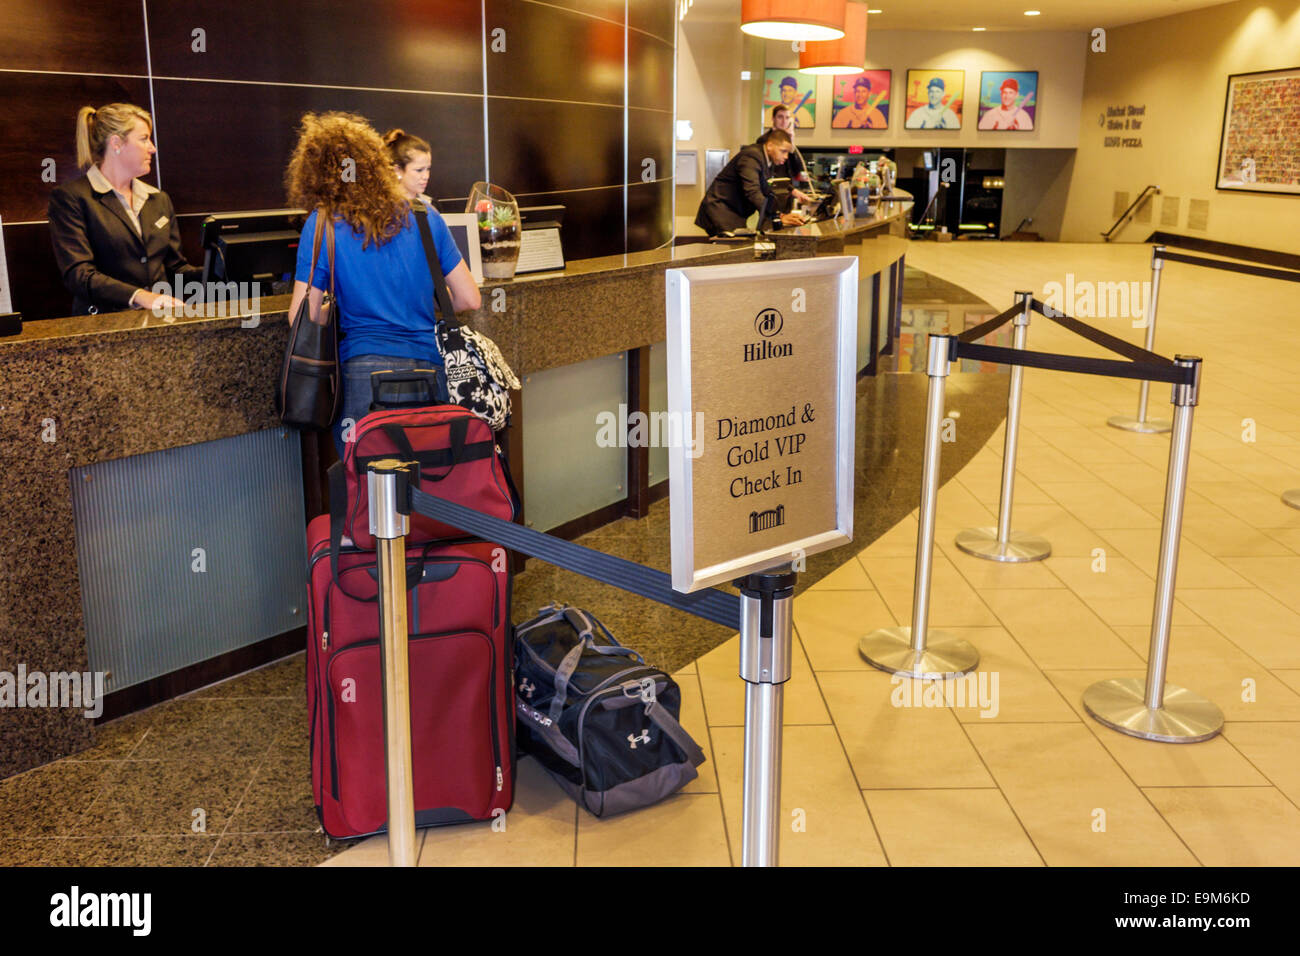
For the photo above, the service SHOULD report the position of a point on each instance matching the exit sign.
(854, 150)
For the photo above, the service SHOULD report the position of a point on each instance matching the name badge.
(162, 221)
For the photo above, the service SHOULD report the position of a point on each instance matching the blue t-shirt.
(384, 292)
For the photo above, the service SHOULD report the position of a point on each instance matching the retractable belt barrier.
(710, 604)
(1266, 264)
(761, 613)
(1151, 709)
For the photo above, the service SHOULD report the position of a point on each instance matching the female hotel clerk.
(115, 236)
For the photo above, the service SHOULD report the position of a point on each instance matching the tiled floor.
(1026, 779)
(1031, 781)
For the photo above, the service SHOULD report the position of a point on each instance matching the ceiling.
(995, 15)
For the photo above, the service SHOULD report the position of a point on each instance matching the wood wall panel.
(386, 44)
(605, 9)
(43, 106)
(650, 136)
(538, 146)
(554, 54)
(653, 63)
(207, 169)
(106, 36)
(593, 221)
(35, 286)
(654, 16)
(649, 215)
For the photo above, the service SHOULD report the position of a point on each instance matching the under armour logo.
(526, 687)
(643, 739)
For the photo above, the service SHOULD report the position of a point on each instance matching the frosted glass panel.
(566, 473)
(191, 552)
(658, 403)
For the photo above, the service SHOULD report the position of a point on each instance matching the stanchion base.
(1292, 498)
(1185, 717)
(945, 656)
(1152, 426)
(983, 543)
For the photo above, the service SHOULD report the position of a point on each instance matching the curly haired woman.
(342, 169)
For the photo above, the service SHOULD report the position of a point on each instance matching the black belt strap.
(979, 331)
(710, 604)
(1174, 374)
(1267, 273)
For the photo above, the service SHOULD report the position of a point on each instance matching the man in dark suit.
(742, 188)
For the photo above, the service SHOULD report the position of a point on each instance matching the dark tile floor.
(220, 777)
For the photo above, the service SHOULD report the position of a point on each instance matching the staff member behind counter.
(743, 188)
(115, 236)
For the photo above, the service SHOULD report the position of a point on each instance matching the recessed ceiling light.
(875, 11)
(1032, 13)
(978, 29)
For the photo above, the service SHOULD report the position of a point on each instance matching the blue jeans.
(356, 388)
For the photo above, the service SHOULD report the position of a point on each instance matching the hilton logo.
(767, 324)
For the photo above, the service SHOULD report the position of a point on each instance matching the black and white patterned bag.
(478, 376)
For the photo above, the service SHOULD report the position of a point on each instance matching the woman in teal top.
(382, 283)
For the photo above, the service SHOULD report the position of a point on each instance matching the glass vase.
(497, 213)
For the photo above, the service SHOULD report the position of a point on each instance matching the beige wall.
(710, 95)
(1059, 58)
(1038, 185)
(1178, 68)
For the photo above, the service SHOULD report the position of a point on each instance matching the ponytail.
(85, 117)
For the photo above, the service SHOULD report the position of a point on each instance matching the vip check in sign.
(762, 365)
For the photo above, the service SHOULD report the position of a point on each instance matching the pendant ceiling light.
(793, 19)
(846, 55)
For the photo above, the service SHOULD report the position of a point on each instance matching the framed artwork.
(1259, 148)
(464, 229)
(861, 100)
(1008, 99)
(796, 91)
(934, 99)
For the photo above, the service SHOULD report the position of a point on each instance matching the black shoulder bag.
(310, 391)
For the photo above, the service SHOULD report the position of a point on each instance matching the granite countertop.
(86, 329)
(883, 211)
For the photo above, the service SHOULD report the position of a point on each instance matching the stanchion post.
(767, 598)
(914, 651)
(1001, 543)
(389, 522)
(1140, 423)
(1154, 709)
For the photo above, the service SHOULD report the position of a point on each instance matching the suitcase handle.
(413, 388)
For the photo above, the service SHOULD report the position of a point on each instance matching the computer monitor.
(260, 246)
(536, 217)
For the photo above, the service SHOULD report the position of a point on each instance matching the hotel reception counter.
(151, 527)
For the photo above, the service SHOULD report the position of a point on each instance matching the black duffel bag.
(599, 719)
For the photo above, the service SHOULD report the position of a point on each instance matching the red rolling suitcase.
(462, 713)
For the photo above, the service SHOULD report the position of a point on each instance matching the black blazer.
(100, 256)
(736, 193)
